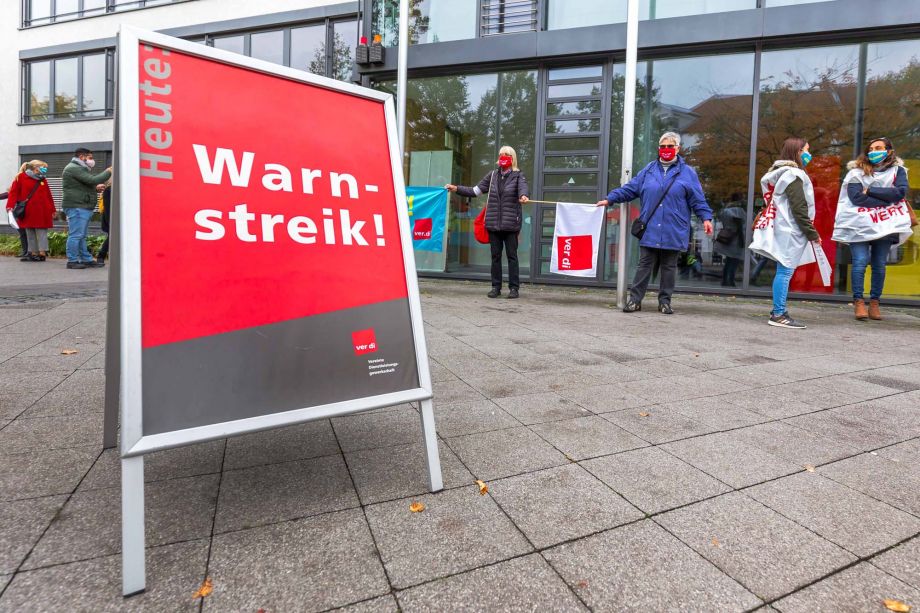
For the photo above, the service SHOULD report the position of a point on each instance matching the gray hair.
(670, 136)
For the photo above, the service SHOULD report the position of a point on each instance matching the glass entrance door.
(573, 136)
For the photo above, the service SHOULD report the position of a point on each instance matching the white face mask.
(90, 163)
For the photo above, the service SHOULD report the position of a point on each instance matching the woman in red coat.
(39, 214)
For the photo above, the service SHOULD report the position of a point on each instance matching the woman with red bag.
(31, 186)
(506, 190)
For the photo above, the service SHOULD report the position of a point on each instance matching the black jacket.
(503, 212)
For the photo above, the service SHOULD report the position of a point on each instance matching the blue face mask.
(877, 156)
(43, 170)
(806, 158)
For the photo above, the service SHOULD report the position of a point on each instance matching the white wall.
(13, 39)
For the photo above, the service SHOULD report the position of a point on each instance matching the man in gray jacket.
(79, 186)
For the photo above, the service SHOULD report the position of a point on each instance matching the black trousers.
(665, 261)
(23, 242)
(104, 249)
(508, 241)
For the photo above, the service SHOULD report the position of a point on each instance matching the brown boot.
(874, 312)
(859, 306)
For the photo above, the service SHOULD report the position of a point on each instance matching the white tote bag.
(854, 224)
(576, 239)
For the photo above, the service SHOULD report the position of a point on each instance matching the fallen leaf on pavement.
(644, 414)
(205, 590)
(810, 468)
(582, 584)
(483, 488)
(69, 352)
(715, 542)
(897, 606)
(416, 507)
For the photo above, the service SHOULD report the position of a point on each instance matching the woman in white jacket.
(784, 229)
(871, 217)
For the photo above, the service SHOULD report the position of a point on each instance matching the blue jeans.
(876, 253)
(781, 288)
(77, 224)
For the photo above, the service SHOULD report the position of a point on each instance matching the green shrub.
(57, 244)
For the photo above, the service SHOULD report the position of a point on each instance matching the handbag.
(19, 209)
(638, 224)
(479, 225)
(726, 235)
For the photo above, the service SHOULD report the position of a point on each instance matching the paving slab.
(861, 589)
(729, 458)
(505, 383)
(189, 461)
(903, 562)
(848, 429)
(22, 523)
(174, 574)
(541, 407)
(44, 473)
(502, 453)
(470, 418)
(766, 402)
(622, 570)
(311, 564)
(559, 504)
(453, 392)
(658, 424)
(605, 398)
(459, 530)
(382, 604)
(840, 514)
(89, 525)
(880, 478)
(378, 429)
(42, 433)
(277, 492)
(21, 389)
(310, 440)
(587, 437)
(717, 412)
(389, 473)
(795, 444)
(907, 452)
(761, 549)
(80, 393)
(495, 588)
(654, 480)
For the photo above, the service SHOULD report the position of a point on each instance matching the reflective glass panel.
(582, 107)
(577, 13)
(268, 46)
(570, 161)
(582, 179)
(769, 3)
(66, 9)
(65, 87)
(585, 143)
(39, 11)
(230, 43)
(662, 9)
(577, 72)
(345, 37)
(573, 126)
(573, 90)
(93, 7)
(308, 49)
(94, 84)
(442, 20)
(39, 90)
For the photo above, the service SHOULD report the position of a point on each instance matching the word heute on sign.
(300, 228)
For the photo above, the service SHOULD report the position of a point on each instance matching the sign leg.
(431, 446)
(133, 563)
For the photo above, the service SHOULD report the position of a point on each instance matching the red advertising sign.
(275, 267)
(575, 252)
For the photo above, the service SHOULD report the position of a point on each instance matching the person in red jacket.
(39, 215)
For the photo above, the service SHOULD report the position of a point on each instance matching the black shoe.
(495, 293)
(92, 264)
(513, 294)
(665, 308)
(100, 263)
(632, 307)
(41, 258)
(784, 321)
(76, 265)
(29, 258)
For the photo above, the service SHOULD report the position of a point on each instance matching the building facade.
(734, 77)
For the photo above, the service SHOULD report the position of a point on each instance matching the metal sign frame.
(129, 317)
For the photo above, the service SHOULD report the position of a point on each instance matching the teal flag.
(427, 217)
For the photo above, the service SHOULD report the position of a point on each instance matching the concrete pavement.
(702, 461)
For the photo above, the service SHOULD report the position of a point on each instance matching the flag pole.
(629, 114)
(402, 74)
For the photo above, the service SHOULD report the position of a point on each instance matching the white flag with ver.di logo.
(576, 239)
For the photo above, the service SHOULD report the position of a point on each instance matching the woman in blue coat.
(669, 191)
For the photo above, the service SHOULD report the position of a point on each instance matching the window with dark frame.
(42, 12)
(323, 47)
(68, 87)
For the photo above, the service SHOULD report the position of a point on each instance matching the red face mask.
(667, 153)
(505, 161)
